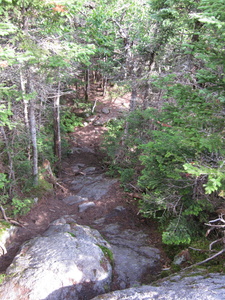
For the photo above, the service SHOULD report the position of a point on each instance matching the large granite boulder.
(184, 286)
(68, 261)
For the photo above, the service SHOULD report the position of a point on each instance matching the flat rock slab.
(135, 262)
(92, 187)
(185, 286)
(66, 262)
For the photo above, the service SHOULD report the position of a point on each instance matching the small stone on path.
(105, 110)
(120, 208)
(85, 206)
(89, 170)
(99, 221)
(74, 199)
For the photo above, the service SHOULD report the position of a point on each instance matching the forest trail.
(107, 204)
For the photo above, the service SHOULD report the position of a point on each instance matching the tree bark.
(87, 84)
(33, 135)
(33, 130)
(104, 85)
(133, 99)
(57, 133)
(25, 109)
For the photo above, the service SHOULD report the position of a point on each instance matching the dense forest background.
(169, 55)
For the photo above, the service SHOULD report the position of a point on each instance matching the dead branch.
(3, 248)
(9, 220)
(207, 259)
(215, 226)
(212, 226)
(214, 242)
(4, 214)
(93, 108)
(200, 250)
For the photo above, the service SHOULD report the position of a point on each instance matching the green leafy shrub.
(177, 232)
(21, 206)
(69, 121)
(177, 161)
(3, 188)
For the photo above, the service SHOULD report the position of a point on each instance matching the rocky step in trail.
(94, 200)
(114, 251)
(90, 241)
(99, 202)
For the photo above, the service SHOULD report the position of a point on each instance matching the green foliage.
(3, 188)
(39, 190)
(45, 144)
(177, 233)
(107, 252)
(215, 176)
(69, 121)
(163, 142)
(21, 206)
(2, 278)
(3, 180)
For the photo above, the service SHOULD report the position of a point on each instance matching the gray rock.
(92, 187)
(89, 170)
(79, 150)
(119, 208)
(135, 261)
(186, 286)
(74, 199)
(106, 110)
(85, 206)
(66, 262)
(100, 221)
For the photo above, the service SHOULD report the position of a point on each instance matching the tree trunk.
(33, 130)
(104, 85)
(33, 135)
(133, 99)
(57, 133)
(25, 109)
(87, 84)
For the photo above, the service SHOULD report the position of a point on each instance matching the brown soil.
(52, 207)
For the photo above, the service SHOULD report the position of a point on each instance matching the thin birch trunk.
(25, 110)
(33, 131)
(33, 135)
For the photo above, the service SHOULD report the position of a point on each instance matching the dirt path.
(52, 207)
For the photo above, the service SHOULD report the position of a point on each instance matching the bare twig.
(9, 220)
(207, 259)
(93, 108)
(4, 214)
(195, 249)
(214, 242)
